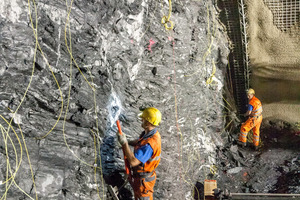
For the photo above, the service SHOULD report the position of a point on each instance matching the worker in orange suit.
(146, 155)
(254, 120)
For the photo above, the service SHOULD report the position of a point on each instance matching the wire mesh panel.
(234, 20)
(286, 13)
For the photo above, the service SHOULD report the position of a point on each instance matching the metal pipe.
(263, 196)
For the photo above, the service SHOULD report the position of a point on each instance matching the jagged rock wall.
(62, 61)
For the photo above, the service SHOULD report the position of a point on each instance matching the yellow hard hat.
(250, 91)
(151, 115)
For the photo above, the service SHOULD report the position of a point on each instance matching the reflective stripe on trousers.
(243, 137)
(143, 198)
(143, 187)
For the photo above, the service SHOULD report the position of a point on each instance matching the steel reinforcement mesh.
(286, 13)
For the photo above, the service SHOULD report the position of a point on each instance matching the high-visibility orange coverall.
(144, 176)
(253, 122)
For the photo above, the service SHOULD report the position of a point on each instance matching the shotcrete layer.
(275, 62)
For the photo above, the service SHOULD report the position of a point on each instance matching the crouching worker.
(146, 155)
(253, 122)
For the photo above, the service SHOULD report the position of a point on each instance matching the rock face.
(60, 64)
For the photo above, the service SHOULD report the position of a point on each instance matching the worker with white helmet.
(146, 155)
(254, 120)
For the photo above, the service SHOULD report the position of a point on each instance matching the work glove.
(122, 138)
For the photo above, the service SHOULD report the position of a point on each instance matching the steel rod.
(265, 194)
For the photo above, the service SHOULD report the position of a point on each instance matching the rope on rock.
(95, 107)
(10, 127)
(210, 79)
(166, 19)
(212, 168)
(50, 68)
(169, 26)
(10, 179)
(208, 51)
(149, 24)
(18, 162)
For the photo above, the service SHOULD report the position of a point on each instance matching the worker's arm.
(142, 154)
(248, 113)
(130, 156)
(133, 142)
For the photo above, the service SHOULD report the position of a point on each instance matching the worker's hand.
(122, 138)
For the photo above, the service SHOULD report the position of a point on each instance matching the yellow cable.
(50, 68)
(95, 105)
(28, 161)
(224, 106)
(96, 114)
(97, 128)
(181, 135)
(7, 158)
(226, 101)
(67, 22)
(28, 86)
(6, 147)
(95, 167)
(229, 72)
(21, 160)
(7, 186)
(13, 181)
(214, 70)
(208, 51)
(33, 181)
(226, 126)
(166, 19)
(94, 88)
(14, 113)
(64, 135)
(67, 107)
(212, 168)
(210, 79)
(22, 189)
(149, 24)
(94, 95)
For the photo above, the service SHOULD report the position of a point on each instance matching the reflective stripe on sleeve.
(257, 109)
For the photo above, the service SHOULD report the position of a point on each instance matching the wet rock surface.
(60, 63)
(60, 70)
